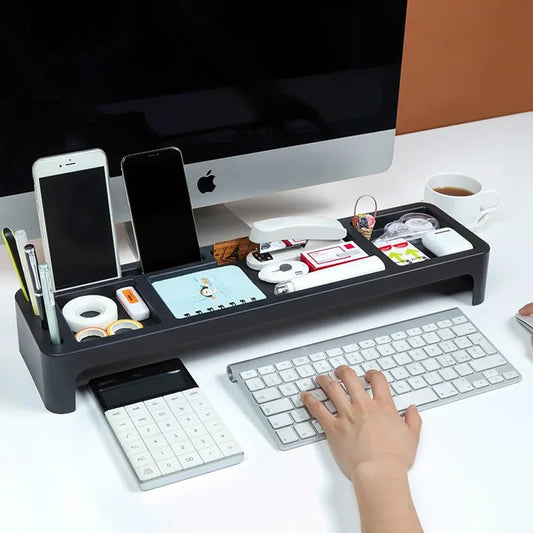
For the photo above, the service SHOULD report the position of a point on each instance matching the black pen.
(31, 258)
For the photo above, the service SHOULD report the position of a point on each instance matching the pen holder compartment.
(58, 370)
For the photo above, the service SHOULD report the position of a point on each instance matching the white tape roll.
(105, 309)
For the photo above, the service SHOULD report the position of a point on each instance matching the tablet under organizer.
(58, 370)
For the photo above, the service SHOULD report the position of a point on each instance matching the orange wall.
(465, 60)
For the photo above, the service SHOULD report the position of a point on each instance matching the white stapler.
(284, 238)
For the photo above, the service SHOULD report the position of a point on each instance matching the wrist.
(376, 472)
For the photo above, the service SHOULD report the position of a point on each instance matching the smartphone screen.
(79, 227)
(161, 210)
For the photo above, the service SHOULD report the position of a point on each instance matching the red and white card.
(336, 254)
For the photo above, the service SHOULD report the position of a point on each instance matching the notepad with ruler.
(206, 291)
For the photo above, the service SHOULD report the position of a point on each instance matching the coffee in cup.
(462, 197)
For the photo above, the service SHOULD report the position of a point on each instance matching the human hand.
(526, 309)
(365, 431)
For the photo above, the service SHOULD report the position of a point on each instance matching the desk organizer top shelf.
(58, 370)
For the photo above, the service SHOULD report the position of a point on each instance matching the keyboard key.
(353, 358)
(417, 397)
(276, 406)
(189, 460)
(448, 374)
(300, 415)
(413, 331)
(400, 387)
(431, 364)
(289, 375)
(300, 361)
(491, 361)
(322, 367)
(267, 395)
(370, 354)
(210, 454)
(229, 448)
(431, 337)
(254, 384)
(476, 352)
(334, 352)
(445, 334)
(387, 363)
(415, 369)
(417, 383)
(305, 430)
(287, 435)
(385, 350)
(402, 358)
(459, 319)
(480, 383)
(401, 346)
(288, 389)
(445, 390)
(319, 394)
(318, 427)
(305, 371)
(398, 335)
(464, 369)
(463, 385)
(400, 373)
(416, 342)
(267, 369)
(271, 380)
(248, 374)
(337, 361)
(462, 342)
(432, 378)
(170, 465)
(349, 348)
(318, 356)
(464, 329)
(146, 472)
(281, 420)
(284, 365)
(305, 384)
(369, 343)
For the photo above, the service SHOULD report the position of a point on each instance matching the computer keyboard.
(428, 361)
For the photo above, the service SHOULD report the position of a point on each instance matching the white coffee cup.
(445, 191)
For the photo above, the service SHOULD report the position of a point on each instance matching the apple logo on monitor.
(206, 183)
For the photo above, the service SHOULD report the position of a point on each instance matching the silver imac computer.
(259, 97)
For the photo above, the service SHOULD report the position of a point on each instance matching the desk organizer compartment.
(58, 370)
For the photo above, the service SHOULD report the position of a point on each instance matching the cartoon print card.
(206, 291)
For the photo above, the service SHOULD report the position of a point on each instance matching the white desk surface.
(474, 468)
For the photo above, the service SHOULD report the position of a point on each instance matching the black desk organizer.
(58, 370)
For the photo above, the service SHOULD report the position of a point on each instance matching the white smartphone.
(75, 218)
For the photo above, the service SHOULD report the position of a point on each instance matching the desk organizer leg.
(479, 279)
(52, 378)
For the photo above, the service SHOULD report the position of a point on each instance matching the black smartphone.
(161, 211)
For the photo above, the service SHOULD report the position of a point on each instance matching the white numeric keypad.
(173, 437)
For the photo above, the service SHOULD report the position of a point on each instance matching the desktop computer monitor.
(259, 97)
